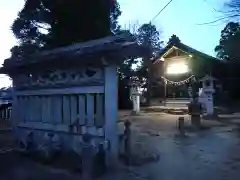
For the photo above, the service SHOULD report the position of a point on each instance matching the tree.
(148, 36)
(125, 73)
(45, 24)
(173, 40)
(228, 48)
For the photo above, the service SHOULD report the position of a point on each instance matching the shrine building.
(178, 68)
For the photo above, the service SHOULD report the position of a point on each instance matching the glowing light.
(177, 68)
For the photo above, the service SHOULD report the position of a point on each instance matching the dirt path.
(210, 154)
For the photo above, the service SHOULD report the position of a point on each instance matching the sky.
(180, 17)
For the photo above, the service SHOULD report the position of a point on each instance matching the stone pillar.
(209, 104)
(111, 116)
(135, 98)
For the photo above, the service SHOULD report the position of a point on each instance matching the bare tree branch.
(220, 19)
(217, 10)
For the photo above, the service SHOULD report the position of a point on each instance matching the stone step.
(176, 111)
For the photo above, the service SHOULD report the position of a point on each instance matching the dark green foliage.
(149, 36)
(44, 24)
(173, 40)
(228, 48)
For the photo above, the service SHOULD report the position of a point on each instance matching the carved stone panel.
(60, 78)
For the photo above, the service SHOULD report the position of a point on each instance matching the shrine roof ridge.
(184, 48)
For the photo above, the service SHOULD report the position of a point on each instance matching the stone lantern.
(206, 94)
(135, 93)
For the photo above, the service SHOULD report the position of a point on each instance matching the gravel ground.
(212, 153)
(160, 152)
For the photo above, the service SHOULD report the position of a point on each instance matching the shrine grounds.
(159, 152)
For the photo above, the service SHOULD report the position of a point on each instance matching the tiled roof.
(105, 45)
(185, 48)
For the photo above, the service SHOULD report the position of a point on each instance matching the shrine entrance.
(178, 89)
(173, 91)
(174, 70)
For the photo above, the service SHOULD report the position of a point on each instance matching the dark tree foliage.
(173, 40)
(45, 24)
(228, 48)
(125, 73)
(149, 36)
(126, 70)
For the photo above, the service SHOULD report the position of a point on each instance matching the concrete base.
(134, 113)
(210, 117)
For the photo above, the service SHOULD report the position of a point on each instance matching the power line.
(161, 11)
(158, 12)
(217, 20)
(218, 11)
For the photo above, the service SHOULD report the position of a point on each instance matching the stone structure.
(135, 94)
(195, 111)
(206, 94)
(69, 92)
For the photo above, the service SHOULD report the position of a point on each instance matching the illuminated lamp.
(177, 68)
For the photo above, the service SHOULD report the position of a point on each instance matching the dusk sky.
(180, 17)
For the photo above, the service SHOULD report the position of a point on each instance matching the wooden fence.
(5, 111)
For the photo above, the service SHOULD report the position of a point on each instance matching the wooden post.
(165, 91)
(181, 125)
(111, 115)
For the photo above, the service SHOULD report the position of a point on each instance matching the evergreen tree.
(228, 48)
(44, 24)
(148, 36)
(173, 40)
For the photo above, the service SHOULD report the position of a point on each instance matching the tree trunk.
(148, 98)
(149, 82)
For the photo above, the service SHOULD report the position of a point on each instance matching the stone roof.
(6, 94)
(119, 47)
